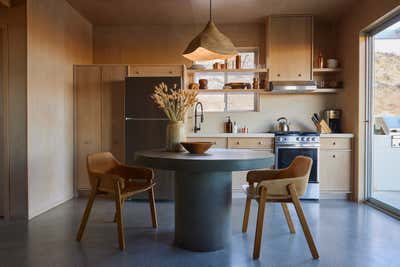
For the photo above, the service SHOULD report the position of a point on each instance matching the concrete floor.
(346, 234)
(391, 198)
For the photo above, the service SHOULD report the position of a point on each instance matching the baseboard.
(35, 213)
(238, 193)
(334, 195)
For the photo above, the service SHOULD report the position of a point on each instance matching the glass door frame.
(369, 126)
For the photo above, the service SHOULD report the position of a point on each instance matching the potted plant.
(174, 103)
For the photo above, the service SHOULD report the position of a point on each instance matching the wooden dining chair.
(110, 177)
(284, 186)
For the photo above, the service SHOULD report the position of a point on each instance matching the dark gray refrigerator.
(145, 127)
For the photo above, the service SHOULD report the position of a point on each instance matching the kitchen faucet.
(196, 129)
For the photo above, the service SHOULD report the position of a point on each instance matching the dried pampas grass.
(174, 102)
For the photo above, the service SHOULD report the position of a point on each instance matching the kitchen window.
(229, 101)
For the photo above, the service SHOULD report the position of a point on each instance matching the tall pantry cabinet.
(99, 114)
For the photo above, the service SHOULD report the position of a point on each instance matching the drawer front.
(335, 170)
(336, 143)
(218, 142)
(251, 143)
(155, 70)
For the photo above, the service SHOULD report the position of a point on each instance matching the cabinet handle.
(137, 72)
(86, 142)
(214, 143)
(260, 143)
(299, 74)
(279, 75)
(334, 156)
(238, 143)
(334, 143)
(170, 72)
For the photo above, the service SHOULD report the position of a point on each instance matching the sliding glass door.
(383, 112)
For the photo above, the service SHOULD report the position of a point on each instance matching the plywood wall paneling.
(162, 44)
(5, 3)
(351, 54)
(58, 37)
(4, 178)
(14, 19)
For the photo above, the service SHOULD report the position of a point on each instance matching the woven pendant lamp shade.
(210, 44)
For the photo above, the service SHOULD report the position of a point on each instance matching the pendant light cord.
(210, 11)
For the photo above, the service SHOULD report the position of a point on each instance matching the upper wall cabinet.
(289, 47)
(155, 70)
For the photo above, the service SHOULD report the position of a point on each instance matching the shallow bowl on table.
(197, 147)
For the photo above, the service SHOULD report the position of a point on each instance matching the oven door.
(285, 156)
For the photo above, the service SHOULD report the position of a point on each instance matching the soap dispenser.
(228, 125)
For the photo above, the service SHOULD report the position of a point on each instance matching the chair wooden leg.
(288, 218)
(246, 215)
(86, 214)
(153, 208)
(122, 208)
(304, 224)
(260, 223)
(118, 205)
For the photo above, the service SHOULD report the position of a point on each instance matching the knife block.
(323, 128)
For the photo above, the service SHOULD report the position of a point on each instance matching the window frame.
(256, 102)
(369, 114)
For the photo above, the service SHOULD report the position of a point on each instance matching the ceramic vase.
(175, 134)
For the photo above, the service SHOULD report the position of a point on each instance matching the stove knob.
(308, 138)
(313, 139)
(279, 139)
(302, 139)
(297, 138)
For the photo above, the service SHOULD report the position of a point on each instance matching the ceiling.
(155, 12)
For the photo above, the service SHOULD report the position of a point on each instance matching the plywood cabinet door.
(290, 48)
(87, 119)
(335, 170)
(112, 110)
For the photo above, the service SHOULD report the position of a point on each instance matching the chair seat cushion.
(251, 192)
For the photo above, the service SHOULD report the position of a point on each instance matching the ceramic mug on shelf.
(332, 63)
(203, 83)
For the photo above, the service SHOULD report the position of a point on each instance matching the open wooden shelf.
(265, 92)
(327, 70)
(189, 71)
(317, 91)
(232, 91)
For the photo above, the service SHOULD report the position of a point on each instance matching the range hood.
(292, 86)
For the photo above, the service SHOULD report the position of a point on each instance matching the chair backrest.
(102, 162)
(300, 168)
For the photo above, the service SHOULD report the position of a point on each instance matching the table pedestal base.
(203, 210)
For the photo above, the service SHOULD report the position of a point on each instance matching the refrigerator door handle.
(145, 119)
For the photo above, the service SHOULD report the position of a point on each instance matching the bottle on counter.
(228, 126)
(235, 127)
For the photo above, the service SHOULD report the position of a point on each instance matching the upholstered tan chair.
(110, 177)
(285, 185)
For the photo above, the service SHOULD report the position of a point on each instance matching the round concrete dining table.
(203, 191)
